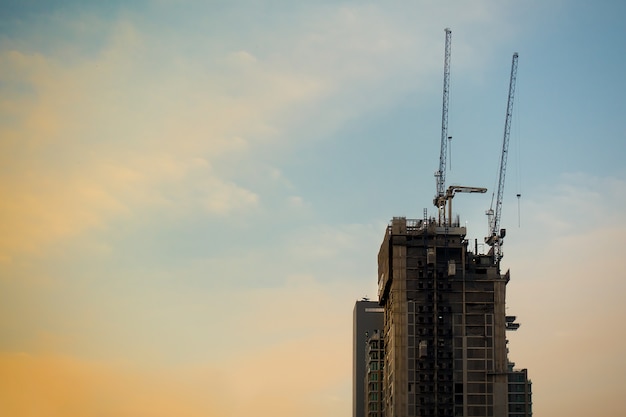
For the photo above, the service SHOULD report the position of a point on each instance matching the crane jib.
(440, 175)
(495, 236)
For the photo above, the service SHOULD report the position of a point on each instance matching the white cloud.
(296, 201)
(224, 198)
(109, 134)
(143, 108)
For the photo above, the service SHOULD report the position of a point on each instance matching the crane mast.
(440, 175)
(495, 236)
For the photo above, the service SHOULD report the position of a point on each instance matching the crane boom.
(494, 238)
(440, 175)
(460, 189)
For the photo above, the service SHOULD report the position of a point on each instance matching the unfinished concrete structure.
(444, 323)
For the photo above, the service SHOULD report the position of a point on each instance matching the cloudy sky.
(194, 194)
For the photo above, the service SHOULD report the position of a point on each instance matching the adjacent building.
(520, 393)
(374, 374)
(367, 321)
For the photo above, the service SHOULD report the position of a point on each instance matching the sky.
(193, 194)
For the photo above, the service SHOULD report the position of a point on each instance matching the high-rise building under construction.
(444, 324)
(444, 313)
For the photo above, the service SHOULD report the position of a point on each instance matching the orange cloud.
(296, 378)
(51, 386)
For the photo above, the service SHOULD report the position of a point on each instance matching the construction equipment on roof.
(495, 234)
(443, 198)
(440, 175)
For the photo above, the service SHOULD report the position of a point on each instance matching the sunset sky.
(193, 194)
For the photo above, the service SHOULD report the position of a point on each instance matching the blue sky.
(194, 193)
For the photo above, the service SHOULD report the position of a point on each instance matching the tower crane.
(444, 197)
(495, 236)
(440, 175)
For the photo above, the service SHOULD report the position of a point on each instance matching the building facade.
(520, 393)
(374, 373)
(444, 324)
